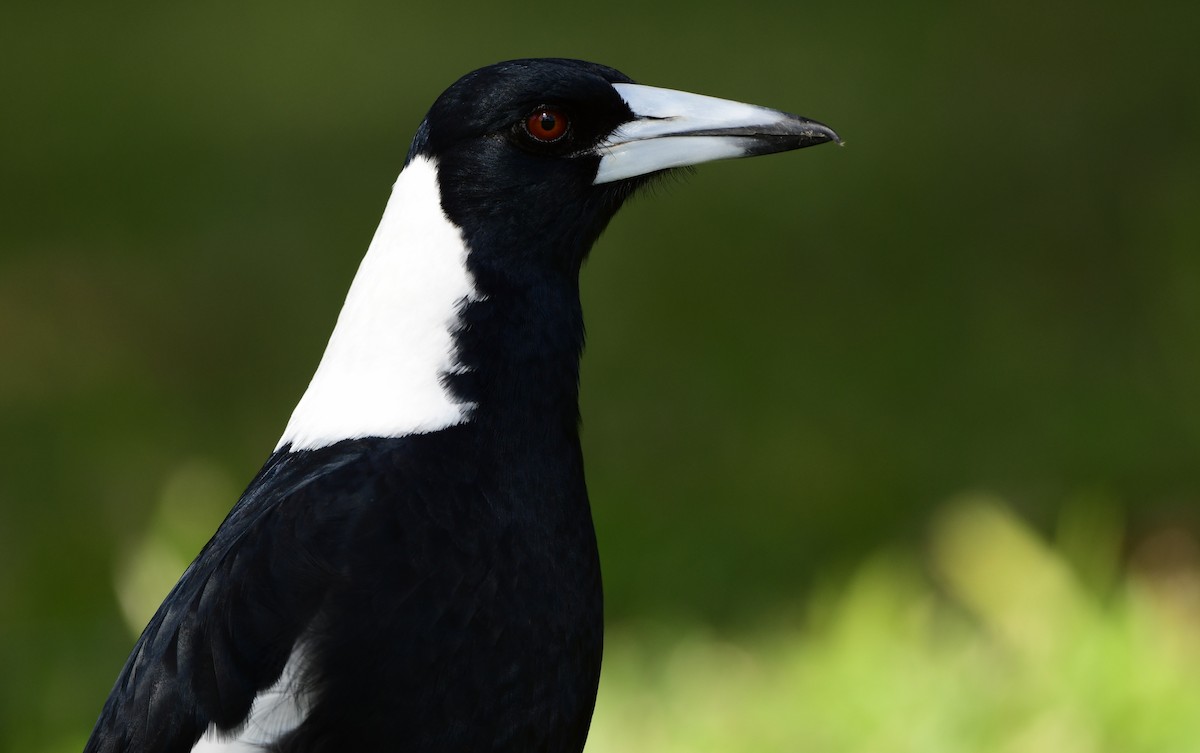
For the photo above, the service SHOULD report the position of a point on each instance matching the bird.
(414, 568)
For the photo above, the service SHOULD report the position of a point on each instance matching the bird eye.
(547, 124)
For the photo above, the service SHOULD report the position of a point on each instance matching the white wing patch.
(381, 375)
(277, 711)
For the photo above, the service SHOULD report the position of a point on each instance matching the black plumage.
(437, 590)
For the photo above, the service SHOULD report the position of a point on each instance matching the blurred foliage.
(999, 647)
(792, 361)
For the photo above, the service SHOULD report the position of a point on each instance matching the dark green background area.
(792, 360)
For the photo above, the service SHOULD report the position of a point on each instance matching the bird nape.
(414, 568)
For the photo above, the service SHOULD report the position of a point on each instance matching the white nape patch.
(659, 140)
(277, 711)
(382, 370)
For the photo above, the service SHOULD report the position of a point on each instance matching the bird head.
(467, 302)
(536, 156)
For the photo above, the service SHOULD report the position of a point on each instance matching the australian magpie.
(414, 568)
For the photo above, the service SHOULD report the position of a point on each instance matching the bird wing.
(227, 628)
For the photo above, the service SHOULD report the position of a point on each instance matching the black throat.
(520, 345)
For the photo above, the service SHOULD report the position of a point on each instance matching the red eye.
(547, 124)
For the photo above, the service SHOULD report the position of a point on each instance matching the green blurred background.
(891, 447)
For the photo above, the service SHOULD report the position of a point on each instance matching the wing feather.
(225, 632)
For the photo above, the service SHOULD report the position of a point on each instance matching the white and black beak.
(676, 129)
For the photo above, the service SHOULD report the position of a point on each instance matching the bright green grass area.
(995, 640)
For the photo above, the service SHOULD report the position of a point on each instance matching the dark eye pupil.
(547, 122)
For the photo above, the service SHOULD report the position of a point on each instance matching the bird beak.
(674, 129)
